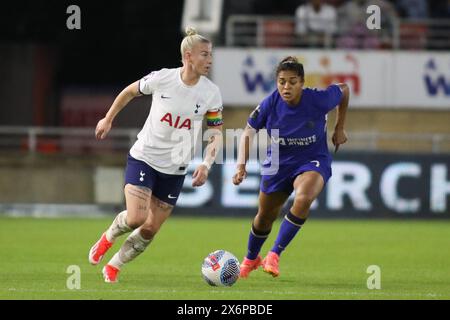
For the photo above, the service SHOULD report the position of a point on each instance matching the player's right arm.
(255, 122)
(127, 94)
(243, 154)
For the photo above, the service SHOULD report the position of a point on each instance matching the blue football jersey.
(302, 134)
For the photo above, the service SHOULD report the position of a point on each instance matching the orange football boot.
(248, 266)
(110, 273)
(99, 249)
(270, 264)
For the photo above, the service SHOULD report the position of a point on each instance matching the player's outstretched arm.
(243, 154)
(215, 142)
(339, 136)
(127, 94)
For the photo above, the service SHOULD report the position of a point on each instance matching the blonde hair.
(190, 40)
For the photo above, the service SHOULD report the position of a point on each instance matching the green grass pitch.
(327, 260)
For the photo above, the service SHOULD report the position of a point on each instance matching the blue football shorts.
(165, 187)
(283, 179)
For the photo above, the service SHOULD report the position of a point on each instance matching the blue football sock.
(288, 229)
(255, 241)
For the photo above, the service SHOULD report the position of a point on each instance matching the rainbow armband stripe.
(214, 119)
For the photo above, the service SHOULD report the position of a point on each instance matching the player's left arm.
(215, 141)
(339, 136)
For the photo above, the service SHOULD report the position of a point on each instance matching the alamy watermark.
(74, 279)
(73, 22)
(263, 148)
(374, 20)
(374, 280)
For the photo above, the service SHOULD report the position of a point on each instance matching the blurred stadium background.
(57, 83)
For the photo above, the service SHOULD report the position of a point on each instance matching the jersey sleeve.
(258, 118)
(329, 98)
(149, 83)
(215, 102)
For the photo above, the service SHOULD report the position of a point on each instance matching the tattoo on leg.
(132, 193)
(139, 192)
(161, 204)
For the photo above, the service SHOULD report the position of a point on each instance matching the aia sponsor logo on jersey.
(176, 122)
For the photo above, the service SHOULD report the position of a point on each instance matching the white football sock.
(131, 248)
(118, 227)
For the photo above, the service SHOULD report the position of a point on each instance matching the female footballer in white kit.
(157, 163)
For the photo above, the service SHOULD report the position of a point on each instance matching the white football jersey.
(167, 140)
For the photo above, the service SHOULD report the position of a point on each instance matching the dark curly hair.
(291, 64)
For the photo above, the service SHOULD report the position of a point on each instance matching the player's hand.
(339, 137)
(200, 175)
(240, 175)
(102, 129)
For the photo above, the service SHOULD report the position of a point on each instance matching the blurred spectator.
(315, 23)
(413, 9)
(353, 31)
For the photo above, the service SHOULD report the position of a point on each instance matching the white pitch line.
(331, 293)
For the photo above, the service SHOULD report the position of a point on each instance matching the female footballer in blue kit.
(295, 118)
